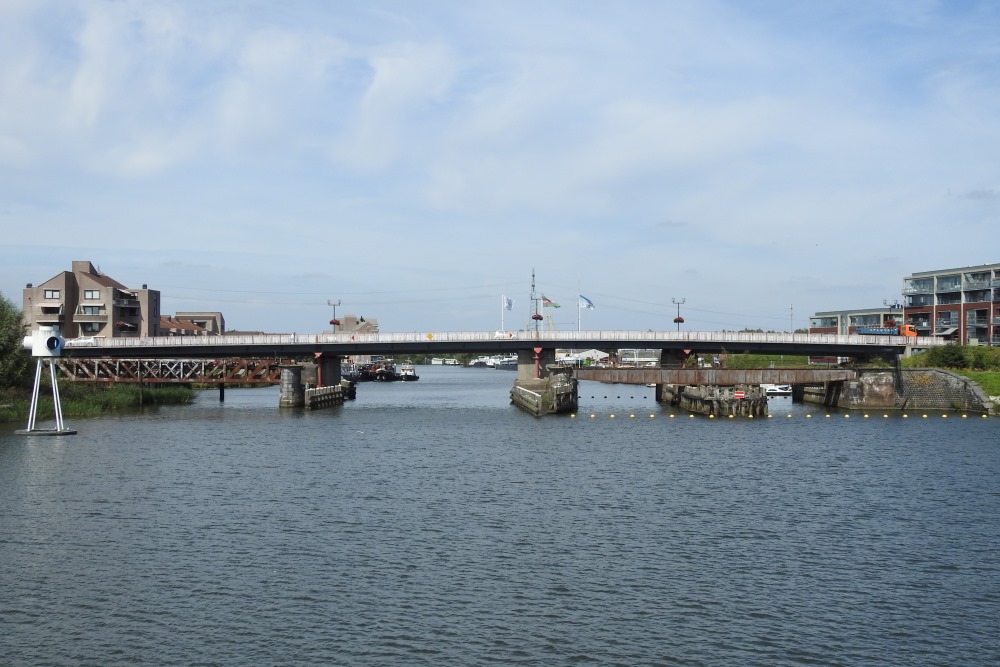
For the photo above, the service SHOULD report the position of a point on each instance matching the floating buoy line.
(808, 415)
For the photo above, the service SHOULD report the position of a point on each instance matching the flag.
(548, 303)
(586, 303)
(508, 303)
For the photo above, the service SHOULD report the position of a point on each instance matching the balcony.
(87, 314)
(980, 283)
(918, 289)
(50, 318)
(126, 303)
(100, 318)
(977, 322)
(49, 314)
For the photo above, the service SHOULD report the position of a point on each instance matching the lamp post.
(334, 322)
(679, 320)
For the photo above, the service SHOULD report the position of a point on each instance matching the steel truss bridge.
(173, 371)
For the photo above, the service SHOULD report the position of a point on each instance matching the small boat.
(777, 389)
(407, 373)
(508, 363)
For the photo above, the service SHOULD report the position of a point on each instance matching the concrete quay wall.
(905, 389)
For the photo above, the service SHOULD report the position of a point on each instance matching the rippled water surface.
(432, 523)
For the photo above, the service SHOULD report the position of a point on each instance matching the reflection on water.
(433, 523)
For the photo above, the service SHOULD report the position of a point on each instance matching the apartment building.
(85, 302)
(961, 305)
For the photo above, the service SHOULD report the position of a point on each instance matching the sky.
(417, 161)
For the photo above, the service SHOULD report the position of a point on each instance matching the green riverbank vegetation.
(86, 399)
(978, 363)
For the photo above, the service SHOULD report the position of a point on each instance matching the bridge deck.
(299, 345)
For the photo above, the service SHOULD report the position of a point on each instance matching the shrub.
(947, 356)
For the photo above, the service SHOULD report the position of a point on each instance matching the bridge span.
(716, 376)
(434, 343)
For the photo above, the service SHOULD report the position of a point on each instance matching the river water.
(432, 523)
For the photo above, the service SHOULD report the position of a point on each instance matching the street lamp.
(679, 320)
(334, 322)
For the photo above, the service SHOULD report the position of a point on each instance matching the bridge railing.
(618, 337)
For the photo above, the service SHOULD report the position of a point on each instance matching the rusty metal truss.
(173, 371)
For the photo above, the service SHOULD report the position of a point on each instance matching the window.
(51, 294)
(91, 294)
(90, 327)
(91, 310)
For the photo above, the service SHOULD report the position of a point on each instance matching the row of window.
(91, 294)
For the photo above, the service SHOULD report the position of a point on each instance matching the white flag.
(586, 303)
(508, 303)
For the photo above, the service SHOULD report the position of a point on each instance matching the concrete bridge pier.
(542, 387)
(328, 369)
(292, 393)
(717, 401)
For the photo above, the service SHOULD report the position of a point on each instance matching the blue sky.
(760, 160)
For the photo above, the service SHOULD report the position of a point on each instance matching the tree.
(15, 362)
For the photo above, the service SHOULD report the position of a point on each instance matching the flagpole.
(579, 316)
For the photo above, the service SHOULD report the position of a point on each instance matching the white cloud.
(641, 146)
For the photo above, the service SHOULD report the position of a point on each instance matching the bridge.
(346, 344)
(539, 386)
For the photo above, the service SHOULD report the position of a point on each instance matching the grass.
(988, 380)
(81, 399)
